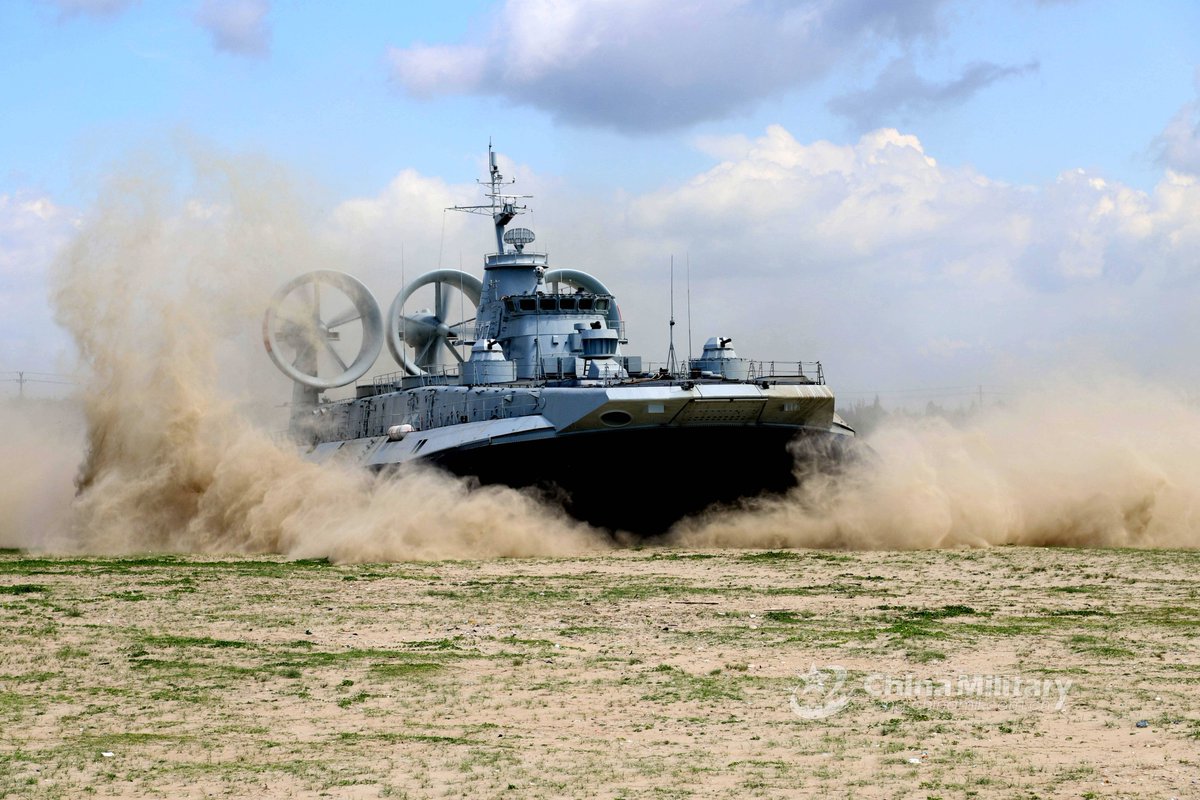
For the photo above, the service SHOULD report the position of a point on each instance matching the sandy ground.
(1006, 672)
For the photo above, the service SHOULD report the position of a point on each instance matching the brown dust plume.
(163, 290)
(43, 442)
(1105, 463)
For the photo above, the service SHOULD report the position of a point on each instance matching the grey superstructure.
(543, 394)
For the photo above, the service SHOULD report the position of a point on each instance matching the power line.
(42, 374)
(22, 377)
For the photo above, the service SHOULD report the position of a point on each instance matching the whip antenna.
(672, 366)
(688, 256)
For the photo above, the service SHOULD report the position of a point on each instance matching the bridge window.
(585, 304)
(601, 304)
(528, 304)
(509, 304)
(566, 303)
(548, 303)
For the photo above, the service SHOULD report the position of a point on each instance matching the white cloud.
(408, 220)
(874, 247)
(96, 8)
(32, 231)
(864, 253)
(237, 26)
(441, 69)
(896, 270)
(1179, 144)
(656, 64)
(885, 198)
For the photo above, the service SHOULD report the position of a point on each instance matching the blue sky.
(1061, 136)
(1106, 77)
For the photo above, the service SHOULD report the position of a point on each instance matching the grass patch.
(1074, 612)
(435, 644)
(1169, 616)
(771, 555)
(24, 588)
(113, 741)
(325, 658)
(169, 640)
(663, 587)
(389, 737)
(944, 612)
(131, 596)
(678, 686)
(411, 669)
(585, 630)
(1097, 646)
(1009, 626)
(683, 556)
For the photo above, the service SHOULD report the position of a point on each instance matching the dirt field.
(1005, 672)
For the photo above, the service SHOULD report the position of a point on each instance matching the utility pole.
(21, 385)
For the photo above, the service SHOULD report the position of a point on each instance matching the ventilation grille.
(721, 412)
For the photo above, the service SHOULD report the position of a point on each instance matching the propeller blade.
(423, 357)
(441, 301)
(306, 361)
(453, 350)
(289, 328)
(302, 335)
(334, 354)
(349, 315)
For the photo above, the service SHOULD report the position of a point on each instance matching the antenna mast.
(503, 206)
(688, 256)
(672, 366)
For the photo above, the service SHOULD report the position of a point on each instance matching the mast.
(503, 207)
(689, 307)
(672, 366)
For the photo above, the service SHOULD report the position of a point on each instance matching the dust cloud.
(1107, 463)
(163, 291)
(43, 443)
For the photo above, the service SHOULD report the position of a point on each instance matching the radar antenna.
(519, 237)
(503, 207)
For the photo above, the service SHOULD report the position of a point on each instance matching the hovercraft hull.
(643, 481)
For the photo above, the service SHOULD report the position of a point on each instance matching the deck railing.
(812, 370)
(792, 371)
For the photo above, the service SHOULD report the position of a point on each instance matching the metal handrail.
(758, 370)
(811, 370)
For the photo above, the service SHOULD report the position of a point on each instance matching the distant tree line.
(866, 417)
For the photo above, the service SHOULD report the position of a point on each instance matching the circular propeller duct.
(430, 333)
(308, 320)
(589, 283)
